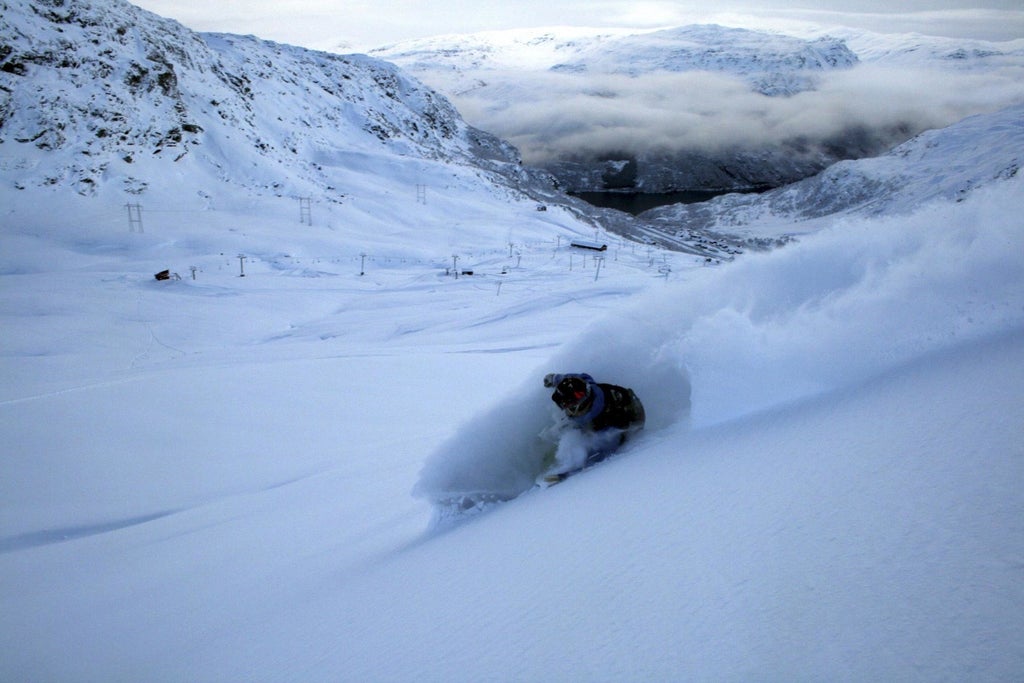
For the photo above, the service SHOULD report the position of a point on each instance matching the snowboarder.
(598, 419)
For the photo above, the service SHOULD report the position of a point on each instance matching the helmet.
(572, 395)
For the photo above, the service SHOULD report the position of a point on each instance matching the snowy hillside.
(956, 54)
(106, 100)
(230, 475)
(709, 106)
(131, 96)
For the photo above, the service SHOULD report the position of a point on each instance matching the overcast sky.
(358, 25)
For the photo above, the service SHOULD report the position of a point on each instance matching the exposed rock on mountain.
(116, 89)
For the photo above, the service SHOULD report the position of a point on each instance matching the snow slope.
(212, 479)
(747, 552)
(222, 492)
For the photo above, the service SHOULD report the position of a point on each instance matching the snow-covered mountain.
(484, 67)
(131, 97)
(772, 64)
(956, 54)
(708, 106)
(105, 99)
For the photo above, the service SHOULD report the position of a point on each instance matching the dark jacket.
(609, 405)
(622, 409)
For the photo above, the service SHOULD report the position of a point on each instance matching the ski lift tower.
(134, 217)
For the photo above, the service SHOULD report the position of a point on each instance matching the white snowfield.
(227, 478)
(210, 480)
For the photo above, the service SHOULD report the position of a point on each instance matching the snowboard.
(553, 479)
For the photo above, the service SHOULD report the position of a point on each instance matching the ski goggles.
(570, 393)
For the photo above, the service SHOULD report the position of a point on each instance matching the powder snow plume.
(836, 309)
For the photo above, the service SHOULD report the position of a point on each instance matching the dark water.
(638, 202)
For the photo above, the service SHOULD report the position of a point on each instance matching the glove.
(551, 379)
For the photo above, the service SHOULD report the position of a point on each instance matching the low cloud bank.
(551, 115)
